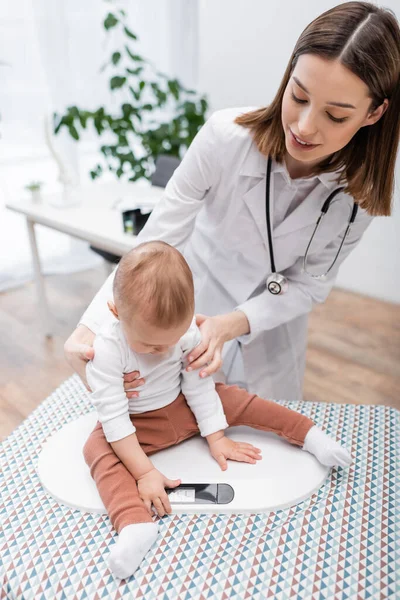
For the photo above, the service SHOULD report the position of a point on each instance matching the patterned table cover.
(343, 542)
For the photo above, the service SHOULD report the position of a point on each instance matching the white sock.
(328, 451)
(134, 542)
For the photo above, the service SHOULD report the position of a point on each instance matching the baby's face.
(144, 338)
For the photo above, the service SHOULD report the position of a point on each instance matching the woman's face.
(323, 106)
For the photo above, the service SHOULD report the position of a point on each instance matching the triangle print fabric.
(343, 542)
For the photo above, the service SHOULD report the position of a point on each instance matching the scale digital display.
(184, 495)
(201, 493)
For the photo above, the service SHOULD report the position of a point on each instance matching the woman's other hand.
(132, 380)
(78, 350)
(215, 331)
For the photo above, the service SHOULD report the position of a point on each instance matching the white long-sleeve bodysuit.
(165, 377)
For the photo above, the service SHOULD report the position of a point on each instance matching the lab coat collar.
(255, 165)
(305, 214)
(329, 180)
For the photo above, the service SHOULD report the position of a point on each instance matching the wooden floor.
(353, 354)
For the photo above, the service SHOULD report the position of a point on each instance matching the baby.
(153, 332)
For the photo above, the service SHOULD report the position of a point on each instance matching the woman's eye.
(298, 100)
(335, 119)
(331, 117)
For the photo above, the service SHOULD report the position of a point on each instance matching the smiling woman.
(342, 77)
(313, 122)
(331, 133)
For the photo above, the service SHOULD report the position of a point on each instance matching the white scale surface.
(284, 477)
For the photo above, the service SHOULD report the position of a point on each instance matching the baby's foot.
(134, 541)
(328, 451)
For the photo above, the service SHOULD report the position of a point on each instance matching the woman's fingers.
(78, 359)
(200, 350)
(131, 385)
(129, 377)
(214, 366)
(79, 366)
(200, 319)
(131, 381)
(86, 352)
(78, 349)
(204, 359)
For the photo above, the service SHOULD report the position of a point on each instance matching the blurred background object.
(54, 54)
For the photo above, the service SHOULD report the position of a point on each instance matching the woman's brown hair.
(366, 40)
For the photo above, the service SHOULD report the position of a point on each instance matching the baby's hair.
(154, 281)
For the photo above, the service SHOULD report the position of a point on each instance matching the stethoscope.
(278, 283)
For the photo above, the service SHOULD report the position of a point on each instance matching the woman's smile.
(301, 144)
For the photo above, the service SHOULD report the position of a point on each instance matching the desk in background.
(96, 218)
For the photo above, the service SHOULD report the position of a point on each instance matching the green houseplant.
(159, 115)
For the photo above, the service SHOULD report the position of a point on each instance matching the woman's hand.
(132, 380)
(215, 331)
(151, 487)
(78, 350)
(223, 448)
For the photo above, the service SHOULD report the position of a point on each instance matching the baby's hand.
(224, 448)
(151, 488)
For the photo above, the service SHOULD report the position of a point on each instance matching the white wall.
(244, 49)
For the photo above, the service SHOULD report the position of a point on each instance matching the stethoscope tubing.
(324, 210)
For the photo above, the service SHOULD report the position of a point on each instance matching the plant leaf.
(174, 88)
(204, 105)
(96, 172)
(130, 33)
(116, 57)
(134, 57)
(73, 132)
(110, 21)
(117, 82)
(134, 71)
(134, 93)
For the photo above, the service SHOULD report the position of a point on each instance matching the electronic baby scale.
(284, 477)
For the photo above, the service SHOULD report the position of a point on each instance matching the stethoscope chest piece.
(277, 284)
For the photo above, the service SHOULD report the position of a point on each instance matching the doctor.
(245, 201)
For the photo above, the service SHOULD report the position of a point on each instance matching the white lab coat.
(213, 210)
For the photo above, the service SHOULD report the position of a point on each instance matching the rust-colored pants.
(158, 429)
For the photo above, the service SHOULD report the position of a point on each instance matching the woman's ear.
(374, 116)
(113, 309)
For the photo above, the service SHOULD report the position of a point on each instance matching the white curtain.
(53, 53)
